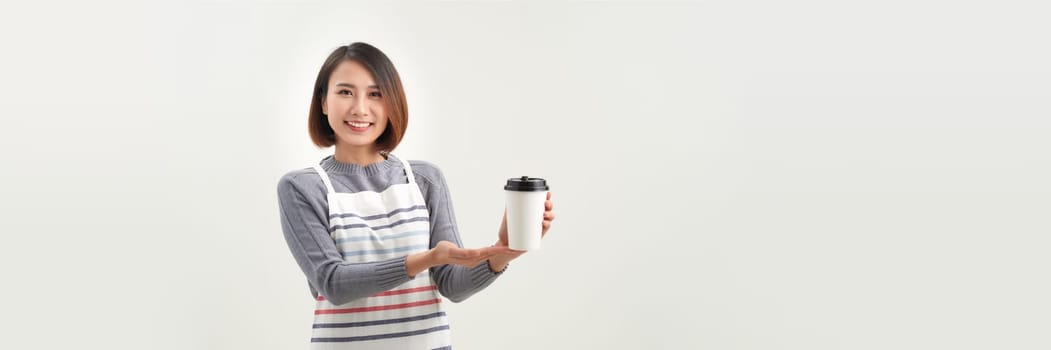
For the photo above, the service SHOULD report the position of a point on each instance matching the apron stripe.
(382, 336)
(377, 308)
(411, 248)
(396, 223)
(395, 292)
(377, 216)
(407, 291)
(383, 238)
(379, 322)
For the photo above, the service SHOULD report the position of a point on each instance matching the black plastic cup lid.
(526, 184)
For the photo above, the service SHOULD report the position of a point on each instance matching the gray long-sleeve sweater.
(304, 220)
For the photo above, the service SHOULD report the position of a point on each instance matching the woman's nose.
(360, 108)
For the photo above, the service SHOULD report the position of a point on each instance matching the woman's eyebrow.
(353, 87)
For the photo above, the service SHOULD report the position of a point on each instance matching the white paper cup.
(525, 212)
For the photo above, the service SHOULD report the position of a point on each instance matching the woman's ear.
(324, 107)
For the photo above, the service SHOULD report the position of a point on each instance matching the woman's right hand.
(447, 253)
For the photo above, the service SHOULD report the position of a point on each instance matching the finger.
(546, 225)
(548, 205)
(468, 255)
(490, 251)
(464, 254)
(487, 258)
(474, 259)
(513, 254)
(486, 253)
(549, 216)
(516, 253)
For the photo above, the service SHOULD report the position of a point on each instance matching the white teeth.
(359, 125)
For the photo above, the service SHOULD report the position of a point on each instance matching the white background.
(727, 174)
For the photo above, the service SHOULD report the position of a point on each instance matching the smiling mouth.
(357, 126)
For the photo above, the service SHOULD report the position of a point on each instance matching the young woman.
(375, 234)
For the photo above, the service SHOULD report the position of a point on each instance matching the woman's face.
(354, 106)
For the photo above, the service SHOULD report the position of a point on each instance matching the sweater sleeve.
(454, 282)
(304, 220)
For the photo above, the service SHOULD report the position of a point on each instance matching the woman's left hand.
(499, 262)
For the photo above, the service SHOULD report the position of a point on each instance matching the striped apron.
(372, 226)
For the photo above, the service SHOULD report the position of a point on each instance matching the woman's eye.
(374, 94)
(343, 92)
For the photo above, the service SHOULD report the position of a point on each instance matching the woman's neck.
(362, 156)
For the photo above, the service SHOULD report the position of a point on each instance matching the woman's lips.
(358, 126)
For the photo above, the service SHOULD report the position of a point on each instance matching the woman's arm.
(455, 282)
(304, 220)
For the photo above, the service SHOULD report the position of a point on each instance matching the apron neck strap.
(408, 171)
(324, 178)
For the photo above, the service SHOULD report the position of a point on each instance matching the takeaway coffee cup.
(525, 212)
